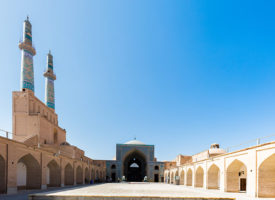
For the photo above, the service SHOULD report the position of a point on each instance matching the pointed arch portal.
(2, 175)
(53, 174)
(69, 174)
(87, 177)
(267, 177)
(189, 177)
(28, 173)
(135, 167)
(199, 177)
(79, 175)
(182, 177)
(236, 176)
(213, 181)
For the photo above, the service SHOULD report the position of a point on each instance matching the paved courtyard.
(130, 190)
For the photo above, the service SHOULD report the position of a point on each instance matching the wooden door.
(243, 184)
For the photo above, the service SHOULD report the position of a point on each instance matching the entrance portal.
(243, 184)
(113, 177)
(135, 167)
(156, 178)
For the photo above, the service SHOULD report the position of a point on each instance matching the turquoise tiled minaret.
(50, 78)
(27, 80)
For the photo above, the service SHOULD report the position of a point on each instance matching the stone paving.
(23, 195)
(144, 190)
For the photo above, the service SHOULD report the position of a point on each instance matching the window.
(113, 167)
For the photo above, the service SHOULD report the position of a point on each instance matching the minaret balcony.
(27, 46)
(50, 75)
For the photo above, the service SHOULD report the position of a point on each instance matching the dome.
(65, 143)
(136, 142)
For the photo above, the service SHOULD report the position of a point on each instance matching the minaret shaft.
(49, 84)
(27, 76)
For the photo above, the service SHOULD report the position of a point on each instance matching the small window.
(113, 167)
(156, 167)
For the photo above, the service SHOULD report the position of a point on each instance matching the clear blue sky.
(177, 74)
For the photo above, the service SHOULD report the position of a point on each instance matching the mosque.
(133, 162)
(39, 157)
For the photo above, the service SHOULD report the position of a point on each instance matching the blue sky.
(177, 74)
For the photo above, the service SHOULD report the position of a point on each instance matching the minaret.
(27, 80)
(50, 78)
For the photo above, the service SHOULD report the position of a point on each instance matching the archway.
(101, 176)
(267, 177)
(28, 173)
(213, 181)
(199, 177)
(69, 174)
(169, 177)
(236, 177)
(53, 174)
(182, 177)
(113, 176)
(113, 173)
(156, 177)
(189, 177)
(79, 175)
(87, 178)
(2, 175)
(93, 174)
(113, 166)
(21, 175)
(96, 176)
(135, 167)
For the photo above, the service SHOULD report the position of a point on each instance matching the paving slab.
(139, 191)
(129, 191)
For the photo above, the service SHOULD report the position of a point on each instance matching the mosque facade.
(135, 161)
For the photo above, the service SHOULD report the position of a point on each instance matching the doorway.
(243, 184)
(156, 178)
(135, 167)
(113, 177)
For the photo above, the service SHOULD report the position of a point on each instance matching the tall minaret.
(50, 78)
(27, 80)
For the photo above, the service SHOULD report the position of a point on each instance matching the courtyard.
(137, 191)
